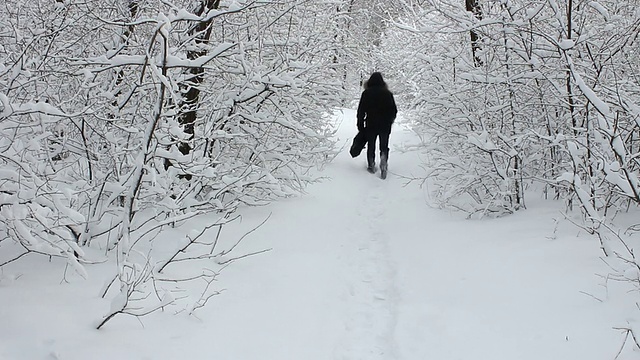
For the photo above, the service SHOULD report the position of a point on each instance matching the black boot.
(383, 165)
(371, 167)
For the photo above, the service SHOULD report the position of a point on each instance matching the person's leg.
(371, 149)
(384, 149)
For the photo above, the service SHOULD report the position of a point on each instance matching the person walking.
(376, 113)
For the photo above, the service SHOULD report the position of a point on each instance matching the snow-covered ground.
(361, 268)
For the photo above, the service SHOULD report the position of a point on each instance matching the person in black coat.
(376, 113)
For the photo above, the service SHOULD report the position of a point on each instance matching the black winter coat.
(377, 108)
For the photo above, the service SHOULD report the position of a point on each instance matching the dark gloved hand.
(360, 126)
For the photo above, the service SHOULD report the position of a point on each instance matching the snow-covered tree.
(121, 118)
(553, 94)
(531, 98)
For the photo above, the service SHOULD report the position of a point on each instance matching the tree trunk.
(473, 7)
(568, 80)
(201, 33)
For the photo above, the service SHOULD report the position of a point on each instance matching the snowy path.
(360, 269)
(410, 282)
(384, 276)
(372, 294)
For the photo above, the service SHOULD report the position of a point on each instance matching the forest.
(120, 119)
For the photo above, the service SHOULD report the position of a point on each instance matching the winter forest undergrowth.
(124, 121)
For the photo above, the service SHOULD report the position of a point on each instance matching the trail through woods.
(361, 268)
